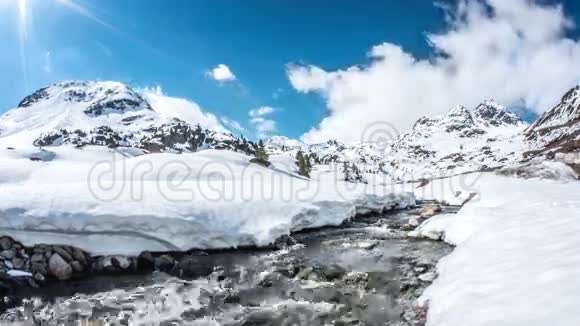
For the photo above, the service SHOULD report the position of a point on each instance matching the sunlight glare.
(23, 36)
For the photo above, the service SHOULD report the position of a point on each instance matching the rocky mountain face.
(557, 131)
(111, 114)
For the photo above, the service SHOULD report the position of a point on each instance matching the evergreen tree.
(309, 163)
(261, 155)
(346, 171)
(303, 163)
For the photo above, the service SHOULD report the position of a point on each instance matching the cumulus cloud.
(514, 51)
(263, 125)
(232, 124)
(180, 108)
(221, 73)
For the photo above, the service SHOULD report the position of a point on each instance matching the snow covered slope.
(517, 258)
(80, 113)
(105, 202)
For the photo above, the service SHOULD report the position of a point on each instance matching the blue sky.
(174, 43)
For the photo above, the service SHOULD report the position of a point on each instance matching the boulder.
(59, 268)
(8, 254)
(6, 243)
(77, 267)
(145, 261)
(62, 252)
(164, 263)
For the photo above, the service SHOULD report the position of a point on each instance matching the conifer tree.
(261, 155)
(303, 163)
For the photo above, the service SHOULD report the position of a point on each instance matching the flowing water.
(362, 273)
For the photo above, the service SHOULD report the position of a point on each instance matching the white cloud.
(262, 125)
(232, 124)
(186, 110)
(261, 111)
(514, 51)
(221, 73)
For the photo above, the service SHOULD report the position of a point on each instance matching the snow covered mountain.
(460, 141)
(111, 114)
(557, 131)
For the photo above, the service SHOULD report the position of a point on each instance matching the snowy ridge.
(460, 141)
(557, 131)
(111, 114)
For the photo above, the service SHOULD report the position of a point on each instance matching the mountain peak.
(565, 112)
(492, 114)
(458, 111)
(283, 141)
(99, 97)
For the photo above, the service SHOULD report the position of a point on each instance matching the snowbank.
(517, 259)
(124, 204)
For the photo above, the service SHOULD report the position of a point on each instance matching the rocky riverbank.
(365, 272)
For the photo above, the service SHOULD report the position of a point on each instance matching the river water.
(365, 272)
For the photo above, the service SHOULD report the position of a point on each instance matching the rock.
(8, 264)
(40, 248)
(419, 269)
(32, 282)
(433, 235)
(413, 221)
(18, 263)
(408, 227)
(284, 241)
(63, 253)
(40, 268)
(164, 263)
(367, 245)
(145, 261)
(6, 243)
(428, 277)
(8, 254)
(80, 256)
(77, 266)
(429, 211)
(121, 262)
(59, 268)
(39, 277)
(413, 234)
(37, 258)
(304, 273)
(332, 272)
(196, 266)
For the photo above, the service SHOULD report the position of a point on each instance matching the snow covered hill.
(111, 114)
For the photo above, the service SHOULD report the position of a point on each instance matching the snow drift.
(106, 201)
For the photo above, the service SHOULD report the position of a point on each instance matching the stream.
(365, 272)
